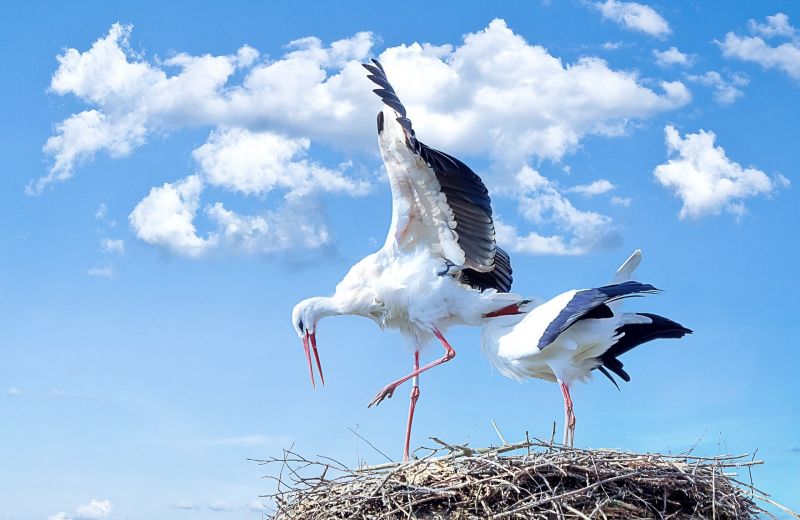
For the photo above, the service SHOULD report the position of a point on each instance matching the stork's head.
(304, 319)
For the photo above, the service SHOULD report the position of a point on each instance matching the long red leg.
(414, 396)
(389, 389)
(569, 416)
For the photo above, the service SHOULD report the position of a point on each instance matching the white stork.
(566, 337)
(439, 265)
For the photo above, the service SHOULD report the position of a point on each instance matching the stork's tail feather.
(635, 334)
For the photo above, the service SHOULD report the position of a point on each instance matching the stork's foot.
(386, 391)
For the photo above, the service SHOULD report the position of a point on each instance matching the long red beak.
(311, 336)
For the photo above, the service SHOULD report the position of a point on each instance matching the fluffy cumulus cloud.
(541, 203)
(671, 56)
(726, 91)
(94, 510)
(706, 180)
(500, 95)
(166, 218)
(634, 16)
(754, 48)
(133, 98)
(257, 162)
(775, 25)
(494, 94)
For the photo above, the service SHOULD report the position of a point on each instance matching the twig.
(370, 444)
(496, 429)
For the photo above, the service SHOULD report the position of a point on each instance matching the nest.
(541, 480)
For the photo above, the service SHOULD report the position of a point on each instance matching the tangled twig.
(546, 481)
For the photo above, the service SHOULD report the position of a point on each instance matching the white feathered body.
(404, 290)
(510, 342)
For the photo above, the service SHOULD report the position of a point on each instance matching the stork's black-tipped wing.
(466, 206)
(635, 334)
(591, 303)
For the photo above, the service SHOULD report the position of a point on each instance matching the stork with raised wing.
(439, 265)
(567, 337)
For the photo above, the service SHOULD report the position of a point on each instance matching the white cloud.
(81, 135)
(14, 392)
(256, 506)
(101, 272)
(258, 162)
(296, 225)
(621, 201)
(777, 25)
(634, 16)
(597, 187)
(611, 46)
(94, 510)
(135, 98)
(220, 506)
(705, 179)
(541, 203)
(671, 56)
(784, 57)
(101, 211)
(165, 217)
(113, 245)
(493, 90)
(184, 504)
(499, 95)
(725, 91)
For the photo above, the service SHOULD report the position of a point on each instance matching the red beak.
(310, 336)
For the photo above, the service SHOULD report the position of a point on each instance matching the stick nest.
(541, 480)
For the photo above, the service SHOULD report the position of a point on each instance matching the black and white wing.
(590, 304)
(437, 200)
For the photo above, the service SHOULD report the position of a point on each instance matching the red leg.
(411, 407)
(569, 415)
(389, 389)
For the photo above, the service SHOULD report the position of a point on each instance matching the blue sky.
(176, 178)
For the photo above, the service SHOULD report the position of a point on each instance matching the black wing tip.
(605, 372)
(375, 64)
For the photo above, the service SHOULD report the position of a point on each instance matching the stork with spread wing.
(439, 266)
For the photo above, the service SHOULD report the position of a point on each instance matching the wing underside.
(459, 197)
